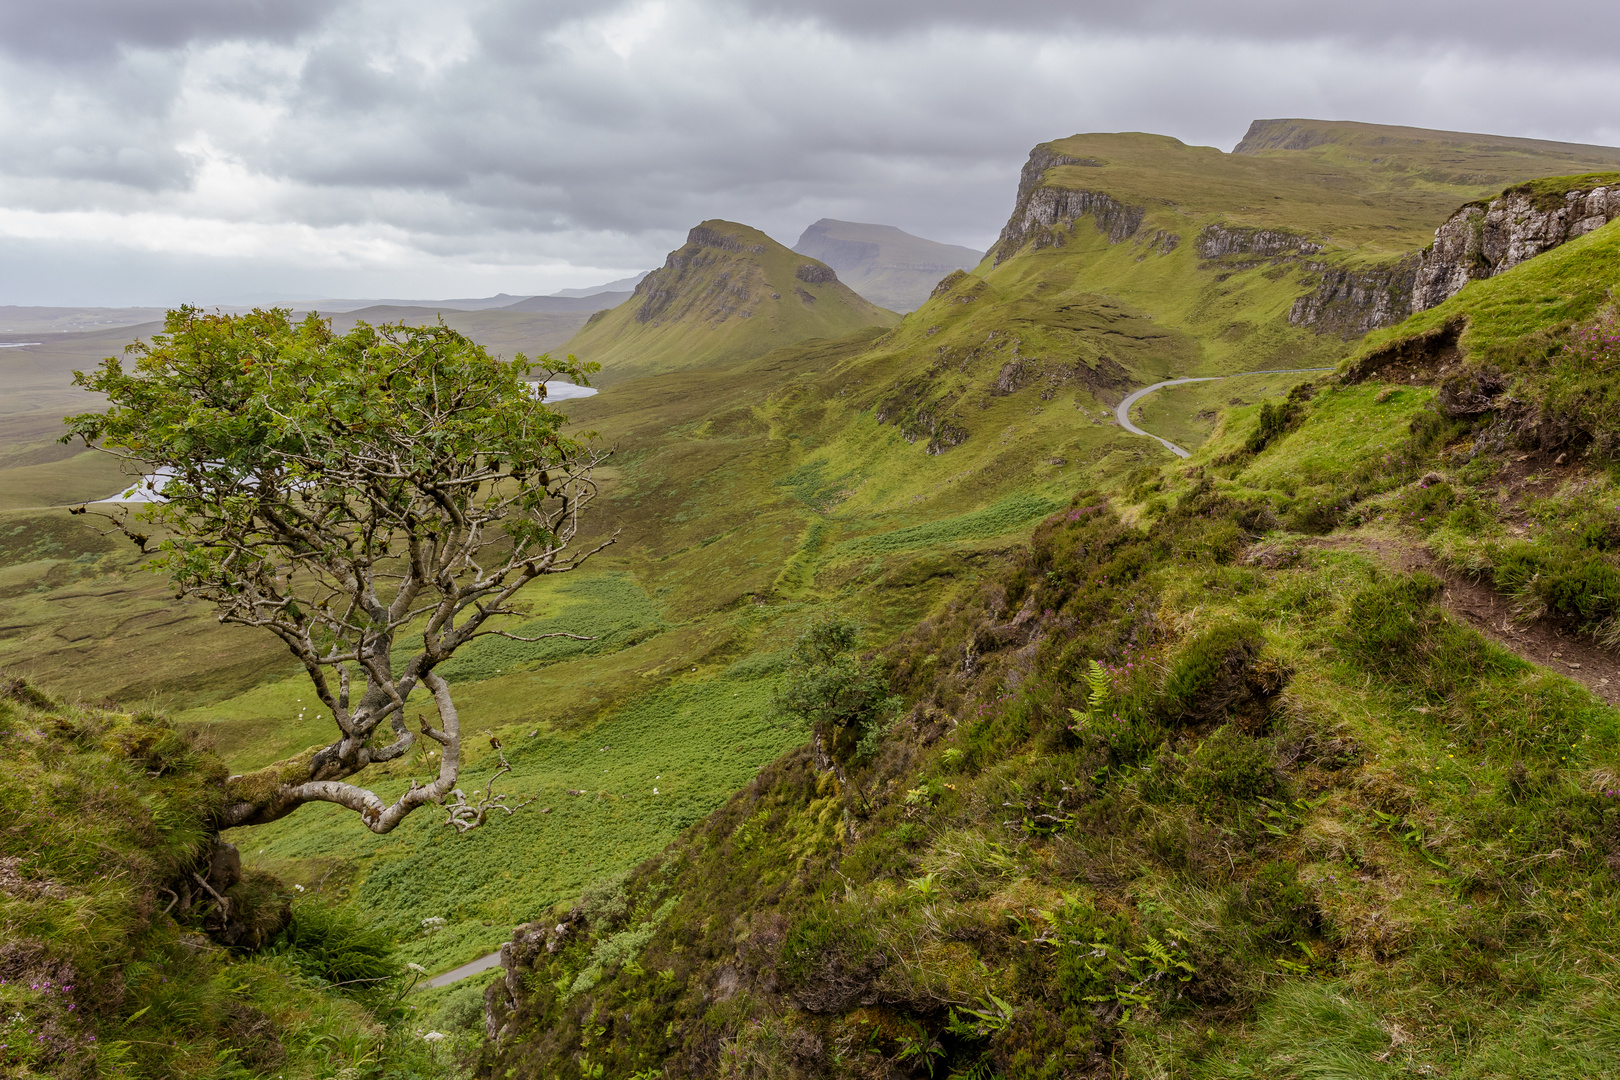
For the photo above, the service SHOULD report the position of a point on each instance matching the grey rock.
(1483, 240)
(815, 273)
(224, 866)
(1214, 241)
(1352, 302)
(1042, 214)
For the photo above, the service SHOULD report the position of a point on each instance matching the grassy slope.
(96, 978)
(723, 306)
(752, 496)
(1314, 826)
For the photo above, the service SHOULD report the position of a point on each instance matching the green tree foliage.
(342, 492)
(840, 695)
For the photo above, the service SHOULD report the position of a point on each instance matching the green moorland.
(893, 476)
(1213, 779)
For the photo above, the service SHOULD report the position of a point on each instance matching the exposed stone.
(703, 245)
(1013, 375)
(961, 287)
(1161, 242)
(1472, 391)
(1483, 240)
(946, 284)
(1214, 241)
(224, 866)
(1423, 353)
(1042, 214)
(1352, 302)
(702, 237)
(815, 274)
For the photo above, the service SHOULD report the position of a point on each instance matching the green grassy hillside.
(114, 962)
(1248, 765)
(889, 267)
(730, 293)
(895, 475)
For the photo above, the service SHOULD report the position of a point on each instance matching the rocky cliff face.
(1483, 241)
(1215, 241)
(705, 248)
(1352, 302)
(1042, 215)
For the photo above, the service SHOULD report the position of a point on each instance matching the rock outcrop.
(1042, 214)
(1215, 241)
(1481, 241)
(1352, 302)
(702, 250)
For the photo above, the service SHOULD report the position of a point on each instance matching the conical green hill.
(728, 294)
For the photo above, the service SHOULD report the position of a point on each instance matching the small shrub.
(1212, 673)
(841, 696)
(1230, 768)
(603, 903)
(1275, 418)
(332, 945)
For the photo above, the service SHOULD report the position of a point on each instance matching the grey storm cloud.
(518, 143)
(83, 31)
(1560, 26)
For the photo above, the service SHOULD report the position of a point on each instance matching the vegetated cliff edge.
(729, 293)
(135, 946)
(1479, 241)
(1483, 240)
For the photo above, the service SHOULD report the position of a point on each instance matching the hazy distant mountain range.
(891, 268)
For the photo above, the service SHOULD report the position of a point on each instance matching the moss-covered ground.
(102, 975)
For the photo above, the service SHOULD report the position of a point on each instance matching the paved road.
(1122, 412)
(483, 963)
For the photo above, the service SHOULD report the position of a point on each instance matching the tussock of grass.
(108, 813)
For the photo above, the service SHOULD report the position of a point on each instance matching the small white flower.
(655, 791)
(300, 888)
(418, 968)
(433, 1036)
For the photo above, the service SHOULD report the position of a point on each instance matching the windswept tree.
(375, 499)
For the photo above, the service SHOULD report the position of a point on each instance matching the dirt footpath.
(1486, 610)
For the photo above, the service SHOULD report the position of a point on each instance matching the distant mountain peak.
(728, 293)
(887, 265)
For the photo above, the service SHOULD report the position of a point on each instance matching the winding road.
(1122, 411)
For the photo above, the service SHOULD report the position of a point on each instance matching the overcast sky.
(220, 150)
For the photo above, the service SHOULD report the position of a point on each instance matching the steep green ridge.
(1447, 156)
(888, 266)
(728, 294)
(1379, 189)
(1212, 780)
